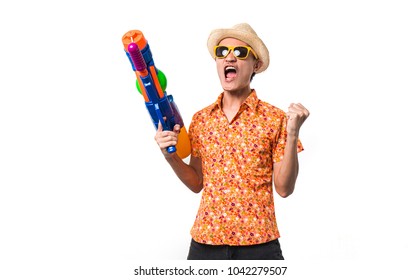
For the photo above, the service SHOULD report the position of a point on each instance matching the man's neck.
(232, 100)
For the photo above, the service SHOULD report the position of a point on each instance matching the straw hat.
(243, 32)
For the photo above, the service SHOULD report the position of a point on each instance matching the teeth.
(229, 69)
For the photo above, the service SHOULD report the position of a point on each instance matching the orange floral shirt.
(237, 204)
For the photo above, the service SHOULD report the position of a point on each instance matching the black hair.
(252, 76)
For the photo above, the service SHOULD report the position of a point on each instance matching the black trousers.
(266, 251)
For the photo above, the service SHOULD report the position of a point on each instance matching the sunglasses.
(240, 52)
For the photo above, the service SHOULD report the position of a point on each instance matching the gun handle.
(159, 115)
(171, 149)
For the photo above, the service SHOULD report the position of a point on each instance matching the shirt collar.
(251, 101)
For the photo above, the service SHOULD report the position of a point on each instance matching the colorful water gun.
(151, 83)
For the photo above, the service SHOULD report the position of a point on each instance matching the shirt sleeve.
(194, 139)
(280, 141)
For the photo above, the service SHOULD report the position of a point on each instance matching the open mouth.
(230, 72)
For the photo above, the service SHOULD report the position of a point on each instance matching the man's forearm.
(285, 177)
(186, 173)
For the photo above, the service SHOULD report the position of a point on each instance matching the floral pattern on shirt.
(237, 204)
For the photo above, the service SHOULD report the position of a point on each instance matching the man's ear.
(258, 65)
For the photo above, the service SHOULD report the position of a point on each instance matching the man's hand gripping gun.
(151, 83)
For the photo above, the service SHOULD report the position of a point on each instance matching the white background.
(85, 190)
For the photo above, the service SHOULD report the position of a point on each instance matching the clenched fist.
(296, 116)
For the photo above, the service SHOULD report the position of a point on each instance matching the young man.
(240, 147)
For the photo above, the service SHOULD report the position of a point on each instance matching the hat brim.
(252, 40)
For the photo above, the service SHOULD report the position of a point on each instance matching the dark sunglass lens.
(221, 51)
(241, 52)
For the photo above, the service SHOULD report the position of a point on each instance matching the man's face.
(234, 73)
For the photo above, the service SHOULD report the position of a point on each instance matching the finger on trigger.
(160, 127)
